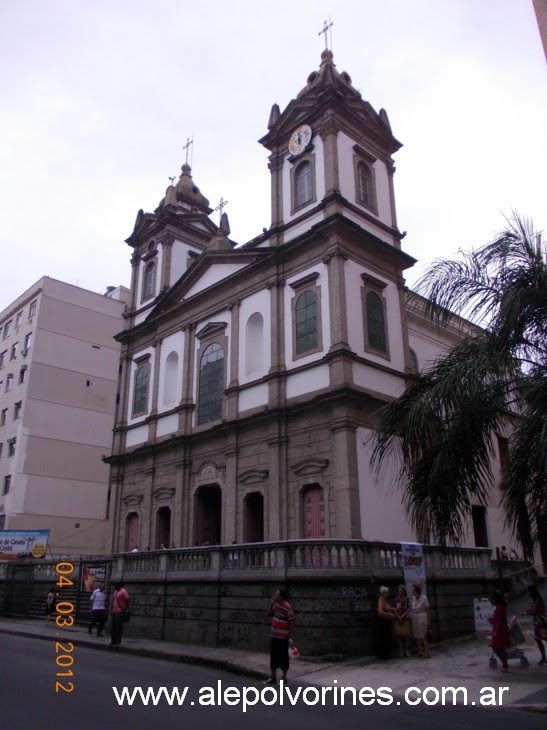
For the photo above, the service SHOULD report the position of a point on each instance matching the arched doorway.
(163, 527)
(131, 531)
(207, 515)
(254, 517)
(313, 512)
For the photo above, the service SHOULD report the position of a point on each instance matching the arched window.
(140, 389)
(376, 326)
(170, 378)
(254, 344)
(211, 384)
(149, 280)
(364, 184)
(303, 184)
(131, 531)
(413, 364)
(306, 322)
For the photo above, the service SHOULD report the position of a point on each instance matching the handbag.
(126, 615)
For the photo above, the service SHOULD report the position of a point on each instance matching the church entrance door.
(207, 510)
(131, 531)
(314, 513)
(254, 517)
(163, 527)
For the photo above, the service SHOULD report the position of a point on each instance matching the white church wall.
(142, 264)
(167, 424)
(136, 356)
(303, 227)
(356, 323)
(213, 275)
(322, 281)
(253, 397)
(374, 229)
(347, 180)
(136, 436)
(318, 153)
(179, 260)
(170, 383)
(306, 382)
(382, 513)
(376, 380)
(224, 316)
(251, 368)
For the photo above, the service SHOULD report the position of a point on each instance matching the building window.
(413, 362)
(2, 521)
(13, 353)
(374, 316)
(9, 381)
(303, 182)
(365, 182)
(140, 388)
(22, 374)
(11, 446)
(306, 316)
(149, 280)
(254, 344)
(171, 378)
(32, 309)
(28, 340)
(89, 384)
(306, 323)
(211, 384)
(17, 409)
(3, 356)
(18, 318)
(7, 484)
(1, 445)
(7, 329)
(480, 530)
(3, 416)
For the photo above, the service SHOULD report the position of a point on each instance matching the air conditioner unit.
(24, 352)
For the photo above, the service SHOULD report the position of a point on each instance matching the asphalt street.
(29, 698)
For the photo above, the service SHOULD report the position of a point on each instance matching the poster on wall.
(413, 566)
(483, 611)
(93, 574)
(23, 544)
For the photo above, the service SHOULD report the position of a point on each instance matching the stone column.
(232, 391)
(135, 266)
(345, 479)
(276, 386)
(328, 131)
(187, 401)
(278, 488)
(275, 166)
(167, 241)
(340, 366)
(390, 172)
(179, 505)
(155, 390)
(230, 516)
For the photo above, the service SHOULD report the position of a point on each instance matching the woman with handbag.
(401, 627)
(540, 621)
(120, 613)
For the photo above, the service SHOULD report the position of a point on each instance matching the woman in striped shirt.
(282, 617)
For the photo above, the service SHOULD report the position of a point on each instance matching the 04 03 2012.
(64, 657)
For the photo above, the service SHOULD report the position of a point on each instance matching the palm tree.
(494, 381)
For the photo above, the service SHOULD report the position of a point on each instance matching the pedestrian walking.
(50, 603)
(540, 621)
(120, 605)
(420, 621)
(500, 630)
(385, 616)
(282, 619)
(98, 609)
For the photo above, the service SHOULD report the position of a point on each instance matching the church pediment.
(209, 268)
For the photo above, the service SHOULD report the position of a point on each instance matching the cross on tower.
(326, 28)
(172, 179)
(186, 147)
(220, 207)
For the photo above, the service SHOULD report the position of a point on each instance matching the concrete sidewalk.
(457, 664)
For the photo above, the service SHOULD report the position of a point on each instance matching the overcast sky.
(99, 96)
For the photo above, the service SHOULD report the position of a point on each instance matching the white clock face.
(300, 139)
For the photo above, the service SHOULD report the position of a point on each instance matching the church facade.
(250, 375)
